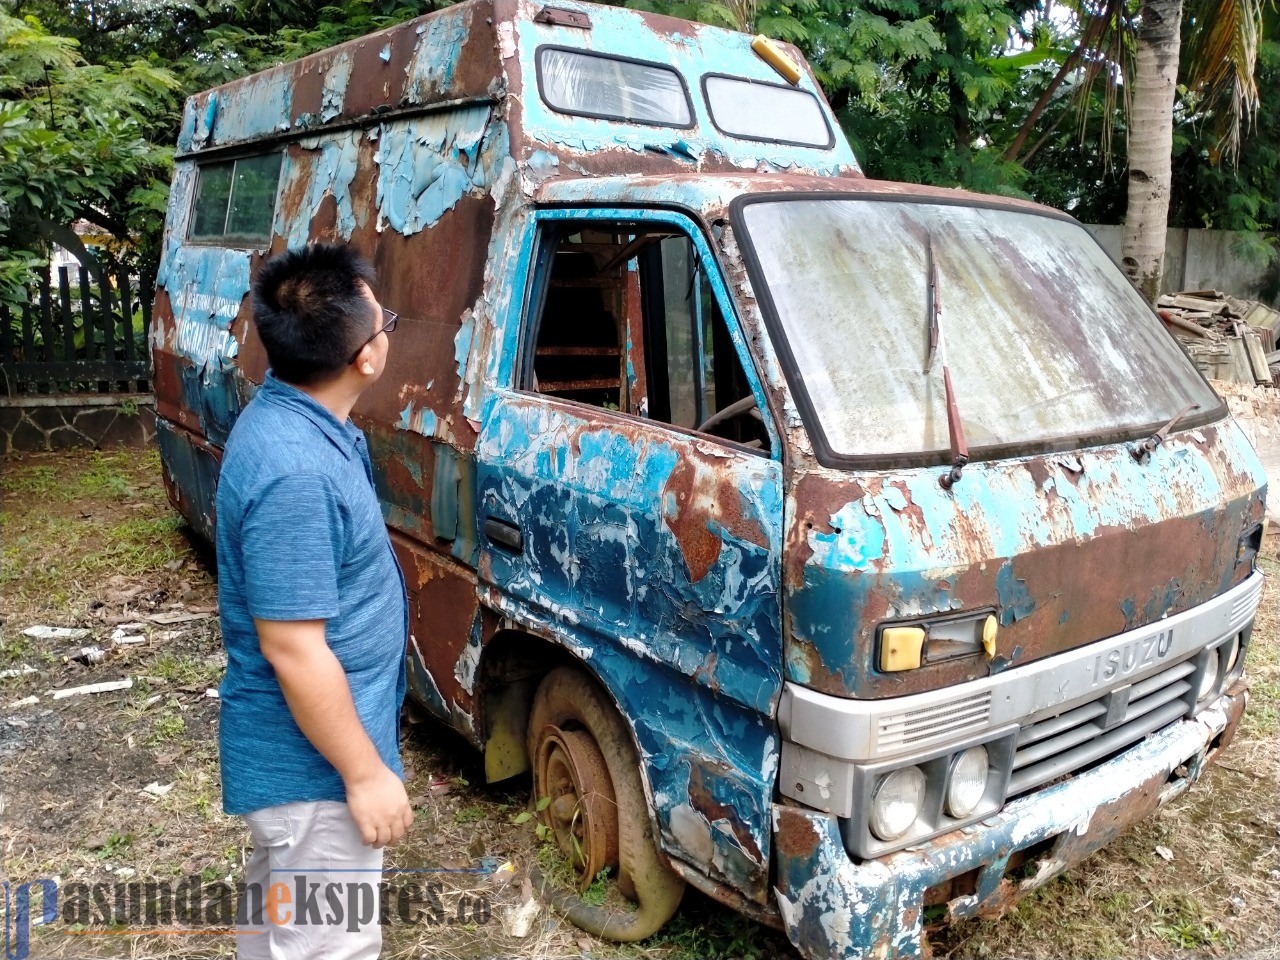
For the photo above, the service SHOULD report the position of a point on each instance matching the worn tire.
(569, 703)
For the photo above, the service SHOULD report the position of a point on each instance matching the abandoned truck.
(850, 551)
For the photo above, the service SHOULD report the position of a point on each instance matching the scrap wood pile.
(1257, 410)
(1228, 339)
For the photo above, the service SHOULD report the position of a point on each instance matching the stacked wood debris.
(1257, 410)
(1228, 339)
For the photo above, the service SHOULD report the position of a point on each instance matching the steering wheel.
(736, 409)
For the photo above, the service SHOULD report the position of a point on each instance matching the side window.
(628, 321)
(236, 200)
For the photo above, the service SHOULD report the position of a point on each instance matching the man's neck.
(337, 396)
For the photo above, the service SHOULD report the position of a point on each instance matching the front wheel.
(586, 769)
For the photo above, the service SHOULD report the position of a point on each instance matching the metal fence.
(81, 338)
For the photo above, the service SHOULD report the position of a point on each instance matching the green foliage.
(73, 146)
(961, 93)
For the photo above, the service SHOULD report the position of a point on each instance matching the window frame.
(711, 112)
(578, 51)
(234, 241)
(533, 302)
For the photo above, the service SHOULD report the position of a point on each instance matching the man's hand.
(379, 806)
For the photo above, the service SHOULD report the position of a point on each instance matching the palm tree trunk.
(1151, 144)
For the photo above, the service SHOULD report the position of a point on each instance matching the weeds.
(117, 844)
(470, 815)
(1180, 923)
(105, 477)
(168, 727)
(179, 669)
(38, 481)
(598, 890)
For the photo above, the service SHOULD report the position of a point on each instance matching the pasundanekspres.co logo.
(193, 907)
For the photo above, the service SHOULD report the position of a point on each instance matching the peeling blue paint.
(1162, 600)
(255, 107)
(427, 164)
(542, 165)
(435, 58)
(462, 346)
(423, 686)
(1015, 601)
(900, 542)
(328, 168)
(583, 496)
(334, 90)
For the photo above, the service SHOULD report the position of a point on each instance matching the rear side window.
(752, 110)
(236, 199)
(612, 88)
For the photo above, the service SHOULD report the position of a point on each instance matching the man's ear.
(364, 362)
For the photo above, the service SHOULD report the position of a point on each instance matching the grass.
(93, 518)
(1181, 922)
(110, 507)
(183, 669)
(168, 726)
(472, 814)
(117, 845)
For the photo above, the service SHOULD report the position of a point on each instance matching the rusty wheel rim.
(582, 813)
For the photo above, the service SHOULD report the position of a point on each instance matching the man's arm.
(319, 697)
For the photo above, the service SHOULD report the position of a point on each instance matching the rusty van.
(843, 549)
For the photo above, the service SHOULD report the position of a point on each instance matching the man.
(314, 619)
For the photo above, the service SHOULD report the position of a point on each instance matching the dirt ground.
(122, 786)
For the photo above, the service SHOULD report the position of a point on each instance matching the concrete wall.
(87, 421)
(1199, 260)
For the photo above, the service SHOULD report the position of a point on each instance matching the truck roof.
(678, 92)
(711, 194)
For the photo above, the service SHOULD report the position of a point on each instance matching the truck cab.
(841, 548)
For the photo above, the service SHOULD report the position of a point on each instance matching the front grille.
(937, 724)
(1246, 605)
(1070, 742)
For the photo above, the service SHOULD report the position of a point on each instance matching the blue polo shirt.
(300, 536)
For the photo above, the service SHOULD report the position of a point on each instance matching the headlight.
(1233, 653)
(968, 782)
(896, 803)
(1208, 679)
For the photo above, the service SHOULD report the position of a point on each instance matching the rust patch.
(699, 507)
(442, 608)
(794, 837)
(702, 801)
(1108, 822)
(688, 521)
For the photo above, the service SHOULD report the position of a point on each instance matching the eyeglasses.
(389, 320)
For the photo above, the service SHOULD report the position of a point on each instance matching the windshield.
(1044, 337)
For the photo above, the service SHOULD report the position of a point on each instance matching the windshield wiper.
(1141, 451)
(937, 345)
(934, 308)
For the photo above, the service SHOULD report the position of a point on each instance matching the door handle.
(503, 533)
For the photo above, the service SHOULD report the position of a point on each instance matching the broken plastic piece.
(106, 687)
(55, 633)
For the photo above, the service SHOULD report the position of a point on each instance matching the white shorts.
(311, 886)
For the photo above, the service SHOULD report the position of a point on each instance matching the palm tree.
(1211, 46)
(1154, 89)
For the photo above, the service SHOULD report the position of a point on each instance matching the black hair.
(311, 312)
